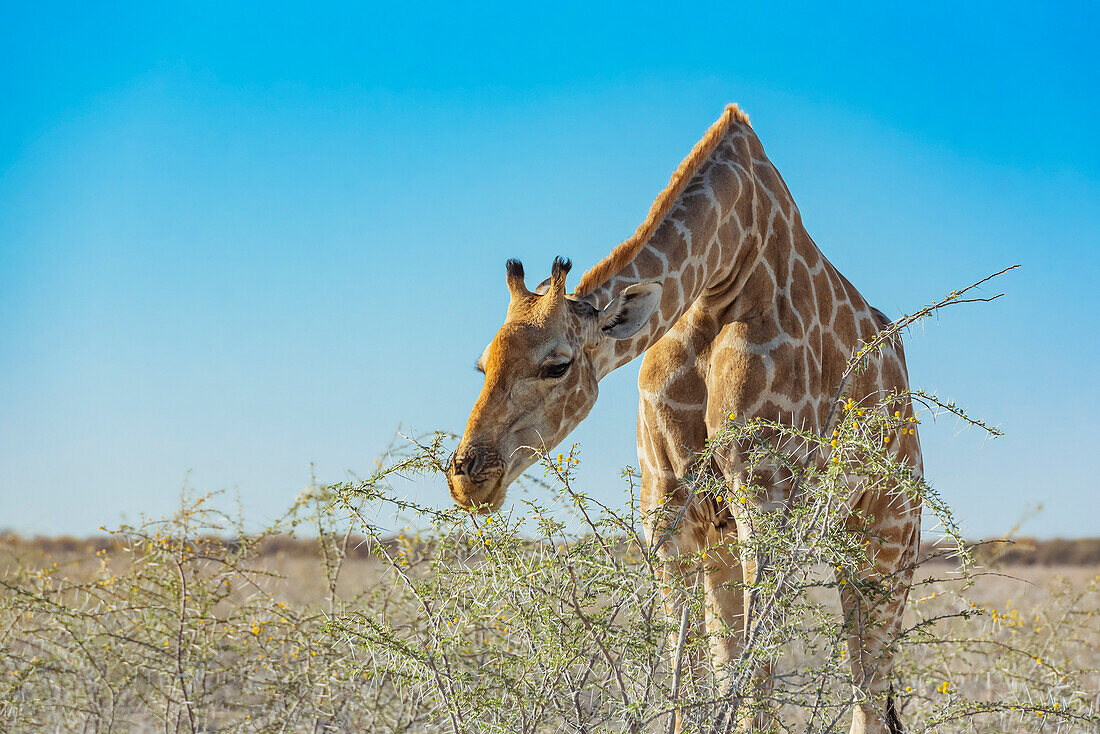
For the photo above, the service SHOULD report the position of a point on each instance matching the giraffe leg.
(682, 578)
(727, 616)
(662, 498)
(671, 433)
(686, 658)
(874, 601)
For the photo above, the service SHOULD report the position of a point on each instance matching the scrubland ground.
(158, 631)
(548, 619)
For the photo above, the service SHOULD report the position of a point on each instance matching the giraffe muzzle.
(474, 478)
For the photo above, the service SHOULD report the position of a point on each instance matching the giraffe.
(733, 309)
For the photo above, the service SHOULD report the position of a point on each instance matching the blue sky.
(237, 240)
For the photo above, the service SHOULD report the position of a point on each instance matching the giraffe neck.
(708, 244)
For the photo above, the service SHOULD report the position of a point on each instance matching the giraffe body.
(735, 311)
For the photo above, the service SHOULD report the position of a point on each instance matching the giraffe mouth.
(480, 498)
(475, 479)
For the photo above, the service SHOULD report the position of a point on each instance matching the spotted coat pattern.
(752, 320)
(755, 321)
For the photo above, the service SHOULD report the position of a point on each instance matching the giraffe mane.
(626, 250)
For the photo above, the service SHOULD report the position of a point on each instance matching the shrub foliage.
(547, 618)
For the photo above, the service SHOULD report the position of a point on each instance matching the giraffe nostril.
(474, 462)
(475, 465)
(467, 464)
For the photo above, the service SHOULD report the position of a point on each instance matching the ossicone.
(516, 286)
(558, 271)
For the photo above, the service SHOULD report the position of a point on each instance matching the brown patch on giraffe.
(687, 388)
(670, 297)
(833, 361)
(662, 205)
(799, 303)
(789, 319)
(770, 179)
(789, 380)
(802, 288)
(886, 553)
(687, 282)
(672, 243)
(759, 289)
(725, 273)
(662, 359)
(813, 338)
(869, 376)
(746, 375)
(724, 182)
(700, 217)
(763, 329)
(823, 289)
(844, 326)
(850, 291)
(714, 253)
(648, 262)
(892, 376)
(779, 251)
(867, 327)
(804, 244)
(813, 375)
(728, 231)
(743, 208)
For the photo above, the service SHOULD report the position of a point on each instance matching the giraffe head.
(541, 374)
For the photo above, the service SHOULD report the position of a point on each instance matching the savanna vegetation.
(362, 609)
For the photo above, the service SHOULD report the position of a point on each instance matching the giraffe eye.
(554, 371)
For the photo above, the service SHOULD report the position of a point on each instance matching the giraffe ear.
(542, 288)
(630, 310)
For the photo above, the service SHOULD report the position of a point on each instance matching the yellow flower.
(897, 414)
(733, 416)
(833, 443)
(886, 439)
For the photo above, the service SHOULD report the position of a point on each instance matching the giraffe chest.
(754, 368)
